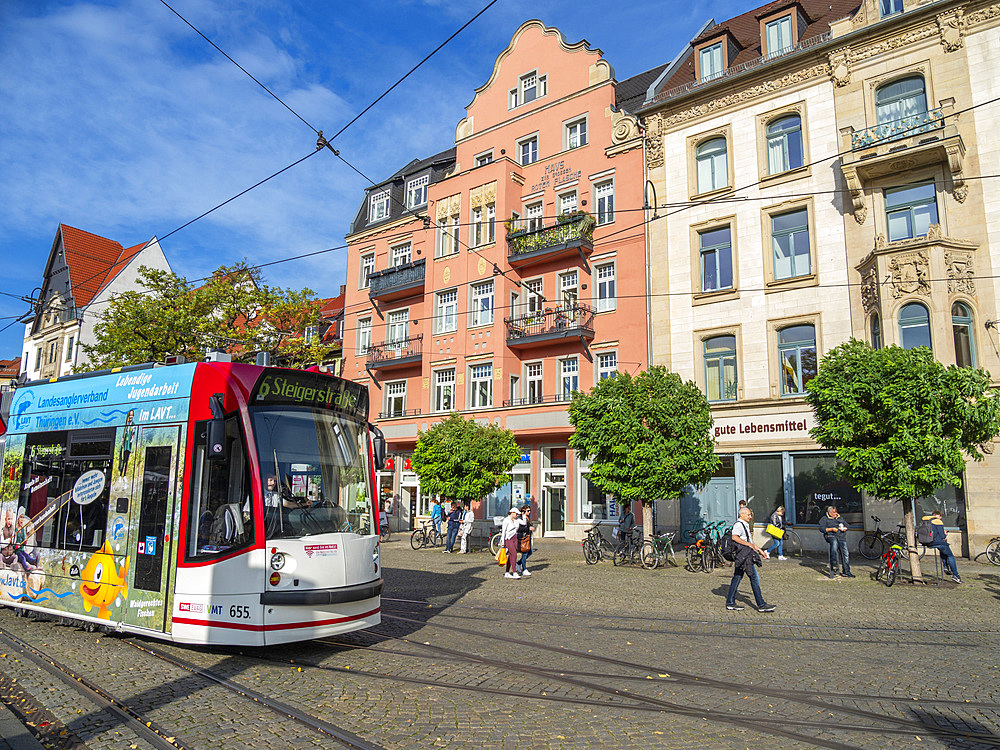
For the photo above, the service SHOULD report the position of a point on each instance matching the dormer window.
(779, 36)
(890, 7)
(711, 62)
(378, 206)
(416, 192)
(530, 87)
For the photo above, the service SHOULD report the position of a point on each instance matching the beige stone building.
(816, 167)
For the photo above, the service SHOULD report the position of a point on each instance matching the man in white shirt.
(748, 556)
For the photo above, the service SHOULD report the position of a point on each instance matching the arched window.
(784, 144)
(876, 332)
(961, 327)
(903, 98)
(713, 165)
(914, 326)
(720, 368)
(797, 357)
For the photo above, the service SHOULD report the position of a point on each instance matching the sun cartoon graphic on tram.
(101, 583)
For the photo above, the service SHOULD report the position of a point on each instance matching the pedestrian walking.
(748, 558)
(524, 540)
(834, 529)
(436, 515)
(777, 519)
(468, 517)
(508, 534)
(940, 542)
(454, 522)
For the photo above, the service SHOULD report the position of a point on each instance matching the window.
(779, 36)
(712, 164)
(481, 386)
(367, 269)
(401, 255)
(69, 349)
(364, 335)
(38, 357)
(903, 98)
(483, 230)
(533, 216)
(876, 331)
(378, 206)
(961, 327)
(784, 144)
(568, 286)
(606, 288)
(533, 377)
(720, 368)
(398, 327)
(797, 358)
(604, 196)
(310, 334)
(818, 482)
(52, 352)
(447, 236)
(486, 158)
(914, 326)
(444, 390)
(446, 314)
(482, 303)
(890, 7)
(910, 210)
(416, 192)
(567, 202)
(716, 260)
(607, 365)
(530, 87)
(790, 241)
(711, 62)
(570, 377)
(529, 150)
(533, 298)
(576, 134)
(395, 398)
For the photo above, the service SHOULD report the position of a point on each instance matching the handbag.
(502, 557)
(774, 531)
(524, 544)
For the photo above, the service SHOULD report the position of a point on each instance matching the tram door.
(151, 532)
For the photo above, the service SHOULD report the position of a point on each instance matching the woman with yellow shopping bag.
(776, 528)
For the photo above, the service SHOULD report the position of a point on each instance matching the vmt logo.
(23, 401)
(216, 609)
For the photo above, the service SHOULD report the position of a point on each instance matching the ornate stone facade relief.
(983, 14)
(961, 272)
(869, 289)
(840, 67)
(654, 141)
(624, 127)
(448, 206)
(951, 27)
(910, 274)
(483, 195)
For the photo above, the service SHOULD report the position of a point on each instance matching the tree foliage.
(902, 423)
(647, 437)
(234, 310)
(463, 460)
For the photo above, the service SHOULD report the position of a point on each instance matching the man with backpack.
(747, 557)
(931, 533)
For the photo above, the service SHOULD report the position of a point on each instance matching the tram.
(203, 503)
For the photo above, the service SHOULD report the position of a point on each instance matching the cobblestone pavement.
(580, 656)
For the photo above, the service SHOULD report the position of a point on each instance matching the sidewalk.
(13, 734)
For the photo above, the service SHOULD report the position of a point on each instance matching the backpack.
(727, 547)
(925, 532)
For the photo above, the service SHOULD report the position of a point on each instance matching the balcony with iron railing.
(555, 398)
(395, 353)
(568, 236)
(894, 130)
(398, 413)
(552, 324)
(401, 281)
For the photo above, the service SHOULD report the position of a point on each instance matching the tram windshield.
(312, 465)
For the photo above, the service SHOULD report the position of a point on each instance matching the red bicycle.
(888, 567)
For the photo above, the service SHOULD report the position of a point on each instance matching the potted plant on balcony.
(513, 230)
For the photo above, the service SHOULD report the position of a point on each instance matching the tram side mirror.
(215, 431)
(378, 447)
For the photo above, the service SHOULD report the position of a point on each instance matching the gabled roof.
(630, 93)
(332, 307)
(93, 261)
(9, 368)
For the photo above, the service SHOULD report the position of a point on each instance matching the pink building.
(499, 277)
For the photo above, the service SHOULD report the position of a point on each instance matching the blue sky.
(120, 120)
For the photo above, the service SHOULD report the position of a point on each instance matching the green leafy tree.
(647, 437)
(233, 310)
(461, 459)
(902, 423)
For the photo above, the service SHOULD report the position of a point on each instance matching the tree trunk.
(911, 541)
(647, 519)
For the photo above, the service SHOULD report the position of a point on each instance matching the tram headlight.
(277, 561)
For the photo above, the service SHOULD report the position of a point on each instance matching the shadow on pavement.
(979, 735)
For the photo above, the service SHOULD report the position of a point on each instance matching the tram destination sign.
(290, 388)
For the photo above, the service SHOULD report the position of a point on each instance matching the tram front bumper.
(319, 597)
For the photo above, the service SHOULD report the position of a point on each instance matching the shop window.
(596, 505)
(910, 210)
(712, 162)
(948, 499)
(819, 483)
(961, 326)
(720, 368)
(914, 326)
(765, 485)
(784, 144)
(797, 358)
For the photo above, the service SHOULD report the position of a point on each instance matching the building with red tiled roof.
(82, 273)
(9, 369)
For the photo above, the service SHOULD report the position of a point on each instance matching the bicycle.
(628, 549)
(888, 568)
(993, 550)
(706, 547)
(657, 550)
(791, 544)
(873, 544)
(493, 540)
(426, 536)
(384, 533)
(596, 546)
